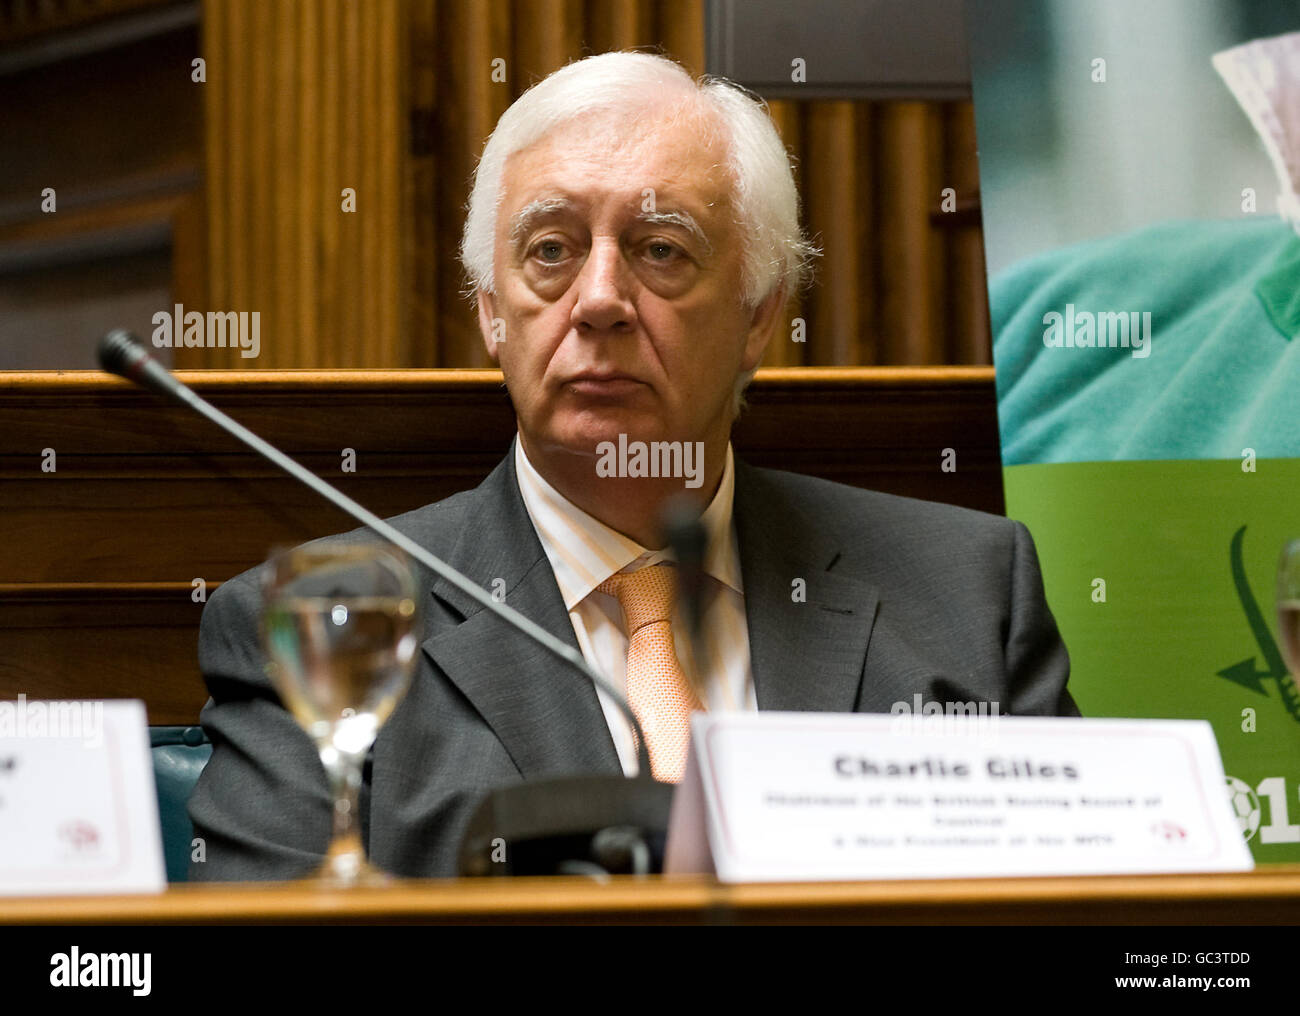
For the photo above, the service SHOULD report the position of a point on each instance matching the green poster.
(1161, 577)
(1142, 229)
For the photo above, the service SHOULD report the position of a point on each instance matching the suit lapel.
(805, 655)
(545, 713)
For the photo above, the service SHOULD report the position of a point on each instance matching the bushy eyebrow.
(683, 220)
(526, 218)
(523, 220)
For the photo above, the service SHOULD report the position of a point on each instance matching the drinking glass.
(340, 628)
(1288, 605)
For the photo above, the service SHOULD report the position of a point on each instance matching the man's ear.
(486, 317)
(760, 327)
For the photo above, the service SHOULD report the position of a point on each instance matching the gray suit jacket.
(902, 597)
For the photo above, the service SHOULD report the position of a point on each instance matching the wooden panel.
(619, 24)
(897, 282)
(302, 101)
(103, 640)
(835, 317)
(912, 280)
(680, 30)
(469, 103)
(422, 211)
(785, 350)
(547, 34)
(969, 338)
(97, 570)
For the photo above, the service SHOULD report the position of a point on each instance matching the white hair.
(765, 201)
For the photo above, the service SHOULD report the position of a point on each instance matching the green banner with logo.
(1161, 577)
(1143, 246)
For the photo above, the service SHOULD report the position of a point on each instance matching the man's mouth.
(603, 384)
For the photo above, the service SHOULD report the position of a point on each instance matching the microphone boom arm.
(120, 353)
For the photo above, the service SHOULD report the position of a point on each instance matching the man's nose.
(604, 291)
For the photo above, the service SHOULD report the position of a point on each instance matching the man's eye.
(549, 251)
(658, 250)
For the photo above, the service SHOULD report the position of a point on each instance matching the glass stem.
(346, 857)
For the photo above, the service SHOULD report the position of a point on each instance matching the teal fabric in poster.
(1222, 373)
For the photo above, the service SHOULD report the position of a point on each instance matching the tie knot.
(646, 595)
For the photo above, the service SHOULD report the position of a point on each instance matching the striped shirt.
(585, 552)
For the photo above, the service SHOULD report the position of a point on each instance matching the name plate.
(78, 807)
(811, 797)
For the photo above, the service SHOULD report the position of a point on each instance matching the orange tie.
(657, 688)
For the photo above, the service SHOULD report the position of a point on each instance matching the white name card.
(78, 808)
(811, 796)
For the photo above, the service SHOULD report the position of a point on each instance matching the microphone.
(554, 815)
(120, 353)
(686, 537)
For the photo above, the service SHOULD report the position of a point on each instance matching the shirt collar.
(584, 552)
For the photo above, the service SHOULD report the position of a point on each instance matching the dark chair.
(179, 755)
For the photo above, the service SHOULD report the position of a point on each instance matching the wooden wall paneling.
(470, 36)
(912, 277)
(260, 178)
(334, 231)
(352, 267)
(231, 211)
(970, 340)
(363, 338)
(547, 35)
(394, 142)
(263, 178)
(189, 252)
(103, 641)
(834, 194)
(311, 211)
(618, 24)
(783, 351)
(679, 25)
(223, 54)
(304, 100)
(867, 235)
(421, 216)
(870, 174)
(383, 73)
(217, 143)
(283, 63)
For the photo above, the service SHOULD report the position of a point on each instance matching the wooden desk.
(1267, 896)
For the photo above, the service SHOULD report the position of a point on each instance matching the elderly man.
(631, 240)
